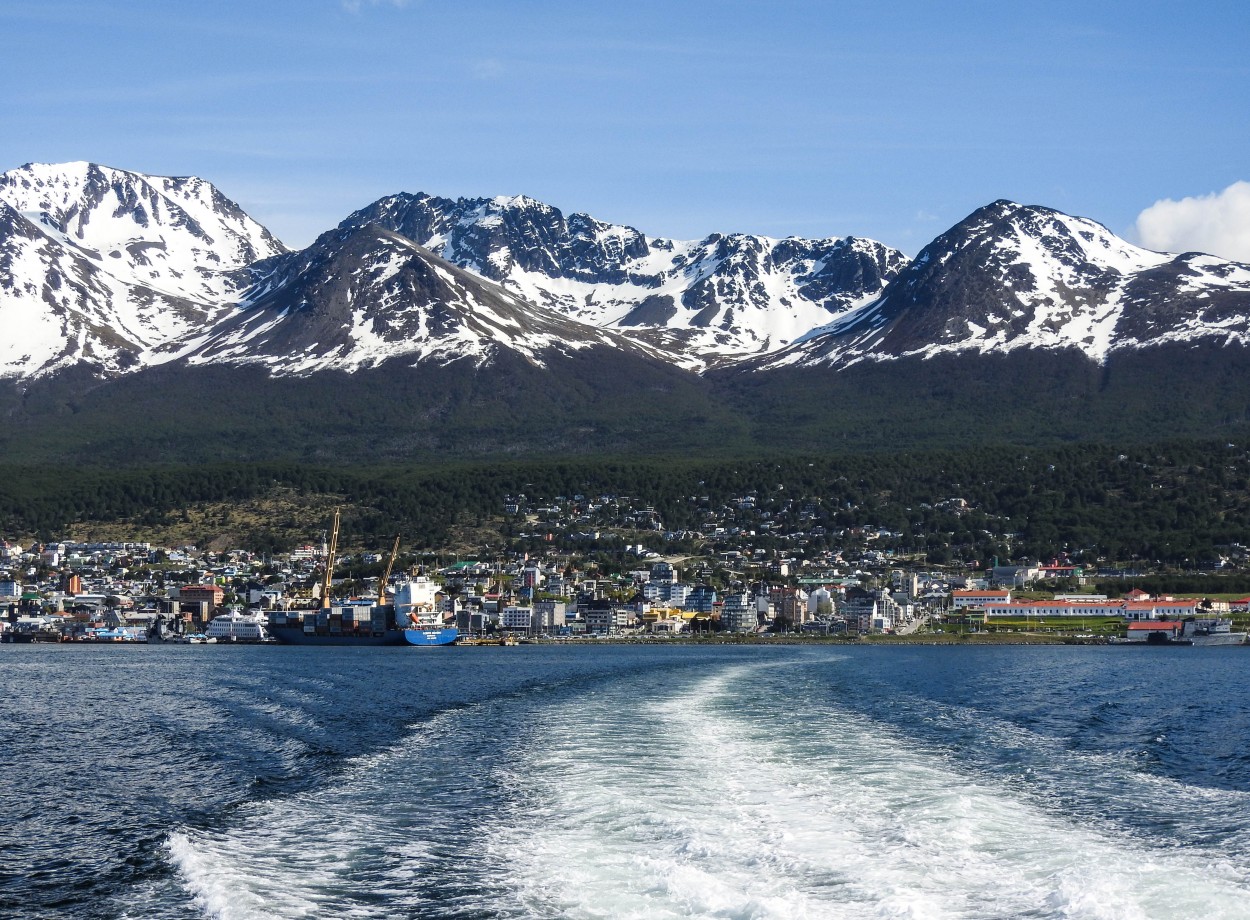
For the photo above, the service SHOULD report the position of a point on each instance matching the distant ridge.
(421, 325)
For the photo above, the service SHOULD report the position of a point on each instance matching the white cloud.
(1218, 224)
(353, 6)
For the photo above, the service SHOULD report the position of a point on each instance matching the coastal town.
(593, 568)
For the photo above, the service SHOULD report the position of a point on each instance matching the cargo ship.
(354, 625)
(361, 624)
(411, 620)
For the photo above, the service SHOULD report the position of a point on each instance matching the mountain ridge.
(362, 296)
(107, 266)
(719, 298)
(515, 328)
(1013, 276)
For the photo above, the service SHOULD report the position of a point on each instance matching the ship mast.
(334, 545)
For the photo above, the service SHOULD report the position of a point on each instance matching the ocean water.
(624, 782)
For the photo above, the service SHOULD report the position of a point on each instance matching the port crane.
(386, 576)
(333, 550)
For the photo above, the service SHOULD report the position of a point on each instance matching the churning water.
(625, 782)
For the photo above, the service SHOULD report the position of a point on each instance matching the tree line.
(1175, 503)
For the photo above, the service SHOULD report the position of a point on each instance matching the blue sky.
(887, 120)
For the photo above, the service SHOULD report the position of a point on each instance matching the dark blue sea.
(624, 782)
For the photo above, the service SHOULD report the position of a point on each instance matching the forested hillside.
(1176, 503)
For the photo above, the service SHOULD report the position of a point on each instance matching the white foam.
(697, 812)
(739, 795)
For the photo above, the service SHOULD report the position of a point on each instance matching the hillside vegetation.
(1182, 503)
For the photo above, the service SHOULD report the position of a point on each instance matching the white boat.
(237, 627)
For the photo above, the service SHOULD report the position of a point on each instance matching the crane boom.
(386, 576)
(334, 545)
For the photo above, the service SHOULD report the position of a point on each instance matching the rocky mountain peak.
(1012, 276)
(178, 235)
(362, 295)
(724, 297)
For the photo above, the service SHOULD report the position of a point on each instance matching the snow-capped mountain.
(362, 296)
(105, 267)
(119, 270)
(178, 235)
(722, 298)
(500, 325)
(1012, 277)
(59, 307)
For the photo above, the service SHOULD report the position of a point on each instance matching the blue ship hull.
(431, 637)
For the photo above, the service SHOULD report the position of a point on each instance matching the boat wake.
(723, 801)
(731, 791)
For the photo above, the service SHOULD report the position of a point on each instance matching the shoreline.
(915, 639)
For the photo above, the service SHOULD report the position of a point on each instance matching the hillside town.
(570, 574)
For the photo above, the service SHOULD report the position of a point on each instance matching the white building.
(517, 618)
(820, 604)
(867, 615)
(978, 598)
(608, 619)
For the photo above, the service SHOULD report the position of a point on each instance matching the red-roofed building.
(1154, 630)
(1161, 609)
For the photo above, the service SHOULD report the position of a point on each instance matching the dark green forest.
(1175, 503)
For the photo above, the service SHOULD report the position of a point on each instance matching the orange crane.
(386, 576)
(334, 545)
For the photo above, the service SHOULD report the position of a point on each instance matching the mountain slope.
(1013, 277)
(721, 298)
(361, 296)
(104, 267)
(60, 308)
(180, 236)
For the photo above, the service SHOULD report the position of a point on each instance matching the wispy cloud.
(1218, 223)
(487, 69)
(355, 6)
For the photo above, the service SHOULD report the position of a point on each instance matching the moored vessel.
(411, 620)
(1197, 631)
(237, 627)
(1212, 631)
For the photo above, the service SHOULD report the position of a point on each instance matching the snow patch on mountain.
(58, 307)
(176, 235)
(706, 301)
(1013, 277)
(105, 266)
